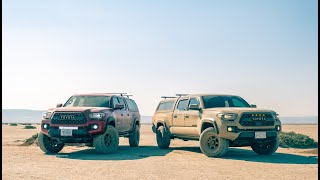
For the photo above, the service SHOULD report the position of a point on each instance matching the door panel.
(118, 115)
(192, 117)
(178, 117)
(178, 122)
(119, 119)
(126, 122)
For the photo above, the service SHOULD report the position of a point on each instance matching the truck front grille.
(68, 118)
(256, 119)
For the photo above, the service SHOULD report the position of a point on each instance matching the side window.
(122, 102)
(131, 105)
(135, 105)
(182, 105)
(115, 101)
(169, 105)
(194, 101)
(162, 106)
(238, 103)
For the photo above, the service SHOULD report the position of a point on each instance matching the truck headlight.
(227, 116)
(46, 115)
(96, 115)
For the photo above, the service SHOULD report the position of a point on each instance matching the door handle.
(175, 116)
(128, 114)
(121, 114)
(186, 116)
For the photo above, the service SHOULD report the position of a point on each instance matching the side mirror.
(253, 105)
(118, 106)
(59, 105)
(194, 107)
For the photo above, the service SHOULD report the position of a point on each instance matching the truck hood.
(236, 110)
(80, 109)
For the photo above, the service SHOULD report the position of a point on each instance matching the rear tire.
(163, 138)
(134, 138)
(49, 145)
(107, 142)
(211, 144)
(266, 148)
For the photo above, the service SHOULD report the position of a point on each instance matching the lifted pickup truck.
(95, 119)
(218, 122)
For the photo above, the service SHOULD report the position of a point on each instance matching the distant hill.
(299, 120)
(34, 116)
(21, 116)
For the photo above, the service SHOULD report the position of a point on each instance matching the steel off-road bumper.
(80, 133)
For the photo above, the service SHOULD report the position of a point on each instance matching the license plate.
(260, 135)
(66, 132)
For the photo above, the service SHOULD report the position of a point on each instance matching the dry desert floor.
(183, 160)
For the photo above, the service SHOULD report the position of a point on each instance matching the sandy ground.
(183, 160)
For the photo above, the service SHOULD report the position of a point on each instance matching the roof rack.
(119, 93)
(165, 97)
(182, 95)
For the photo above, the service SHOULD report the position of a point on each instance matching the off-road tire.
(163, 138)
(134, 138)
(107, 142)
(267, 147)
(49, 145)
(211, 144)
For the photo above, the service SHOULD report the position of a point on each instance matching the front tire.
(134, 138)
(267, 147)
(49, 145)
(163, 138)
(211, 144)
(107, 142)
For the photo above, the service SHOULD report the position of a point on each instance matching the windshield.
(88, 101)
(223, 101)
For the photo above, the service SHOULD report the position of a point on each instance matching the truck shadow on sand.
(141, 152)
(249, 155)
(124, 153)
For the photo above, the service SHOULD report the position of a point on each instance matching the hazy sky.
(265, 51)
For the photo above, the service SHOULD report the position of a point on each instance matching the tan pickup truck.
(218, 122)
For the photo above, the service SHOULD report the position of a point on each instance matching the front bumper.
(250, 135)
(246, 133)
(78, 135)
(83, 130)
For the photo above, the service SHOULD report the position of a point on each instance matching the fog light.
(230, 129)
(45, 126)
(95, 126)
(278, 128)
